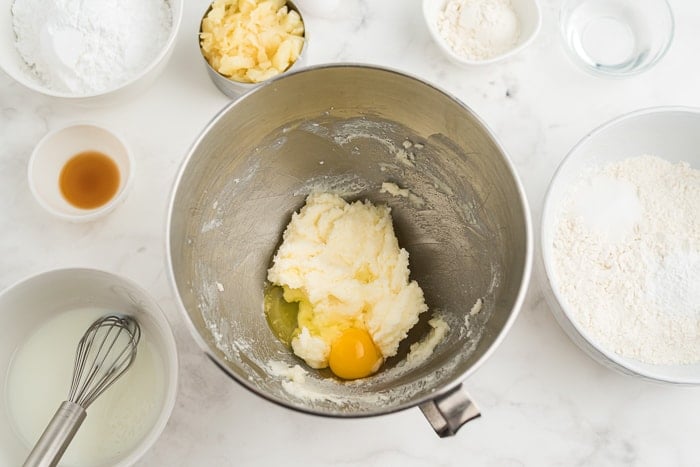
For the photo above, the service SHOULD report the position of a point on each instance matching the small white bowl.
(30, 303)
(56, 148)
(672, 133)
(529, 16)
(13, 64)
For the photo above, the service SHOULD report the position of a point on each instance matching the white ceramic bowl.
(56, 148)
(13, 64)
(672, 133)
(25, 306)
(529, 16)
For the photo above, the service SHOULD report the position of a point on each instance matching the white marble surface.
(544, 402)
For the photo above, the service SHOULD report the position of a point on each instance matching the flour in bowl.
(627, 258)
(479, 29)
(84, 48)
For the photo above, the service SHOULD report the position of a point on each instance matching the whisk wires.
(105, 352)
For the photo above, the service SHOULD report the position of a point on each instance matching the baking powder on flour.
(627, 258)
(479, 29)
(87, 47)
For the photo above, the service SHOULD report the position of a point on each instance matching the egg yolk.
(353, 355)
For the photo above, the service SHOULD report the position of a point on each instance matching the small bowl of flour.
(87, 52)
(480, 32)
(621, 244)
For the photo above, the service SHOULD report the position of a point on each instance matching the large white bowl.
(529, 15)
(25, 306)
(672, 133)
(11, 62)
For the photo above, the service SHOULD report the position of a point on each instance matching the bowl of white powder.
(480, 32)
(87, 52)
(621, 244)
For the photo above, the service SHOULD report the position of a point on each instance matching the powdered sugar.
(87, 47)
(479, 29)
(627, 258)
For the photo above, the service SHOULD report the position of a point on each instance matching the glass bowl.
(616, 38)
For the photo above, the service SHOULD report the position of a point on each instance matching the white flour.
(627, 258)
(479, 29)
(86, 47)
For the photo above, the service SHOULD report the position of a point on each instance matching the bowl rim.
(29, 82)
(599, 353)
(451, 384)
(576, 60)
(437, 38)
(171, 384)
(89, 214)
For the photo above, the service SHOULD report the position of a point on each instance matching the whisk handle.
(56, 436)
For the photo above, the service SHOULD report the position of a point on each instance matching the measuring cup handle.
(449, 411)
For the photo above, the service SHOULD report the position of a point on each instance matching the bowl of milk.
(45, 316)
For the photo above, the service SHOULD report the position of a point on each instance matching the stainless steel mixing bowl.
(347, 129)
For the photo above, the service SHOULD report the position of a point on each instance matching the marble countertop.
(544, 402)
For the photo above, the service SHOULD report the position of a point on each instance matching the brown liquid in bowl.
(89, 180)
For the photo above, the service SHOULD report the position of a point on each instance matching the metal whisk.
(104, 353)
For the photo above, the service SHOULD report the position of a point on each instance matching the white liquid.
(39, 379)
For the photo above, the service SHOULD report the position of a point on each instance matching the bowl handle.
(449, 411)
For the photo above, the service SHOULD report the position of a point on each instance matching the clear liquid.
(39, 378)
(607, 35)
